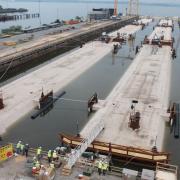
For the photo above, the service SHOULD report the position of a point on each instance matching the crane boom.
(115, 7)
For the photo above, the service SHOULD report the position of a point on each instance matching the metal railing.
(85, 143)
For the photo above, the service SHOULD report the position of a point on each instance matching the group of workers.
(21, 148)
(52, 156)
(103, 167)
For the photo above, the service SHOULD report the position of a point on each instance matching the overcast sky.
(150, 1)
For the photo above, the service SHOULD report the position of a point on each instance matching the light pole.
(39, 6)
(77, 128)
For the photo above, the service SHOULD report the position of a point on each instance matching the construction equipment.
(1, 101)
(133, 8)
(46, 103)
(92, 100)
(134, 119)
(116, 8)
(166, 171)
(97, 127)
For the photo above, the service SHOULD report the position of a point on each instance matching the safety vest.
(18, 145)
(49, 153)
(22, 146)
(54, 155)
(99, 165)
(105, 166)
(38, 151)
(37, 164)
(52, 165)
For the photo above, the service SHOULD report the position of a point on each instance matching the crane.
(115, 8)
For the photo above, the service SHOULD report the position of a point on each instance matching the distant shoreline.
(104, 1)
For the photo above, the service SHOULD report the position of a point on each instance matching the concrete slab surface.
(148, 81)
(20, 95)
(161, 31)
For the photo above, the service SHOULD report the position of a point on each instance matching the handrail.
(119, 150)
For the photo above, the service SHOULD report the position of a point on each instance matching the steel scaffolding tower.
(133, 8)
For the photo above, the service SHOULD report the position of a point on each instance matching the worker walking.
(49, 156)
(22, 148)
(18, 146)
(39, 151)
(26, 149)
(54, 156)
(100, 167)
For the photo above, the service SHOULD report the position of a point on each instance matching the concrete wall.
(34, 54)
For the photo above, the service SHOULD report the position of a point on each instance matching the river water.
(100, 78)
(63, 10)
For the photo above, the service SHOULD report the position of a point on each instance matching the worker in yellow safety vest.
(54, 155)
(52, 165)
(100, 167)
(39, 151)
(38, 166)
(49, 156)
(18, 146)
(104, 168)
(34, 161)
(22, 148)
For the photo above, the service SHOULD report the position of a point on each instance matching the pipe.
(48, 105)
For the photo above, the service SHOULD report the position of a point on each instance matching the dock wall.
(58, 46)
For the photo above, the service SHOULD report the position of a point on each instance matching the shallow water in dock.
(65, 115)
(171, 144)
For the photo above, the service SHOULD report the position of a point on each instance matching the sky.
(141, 1)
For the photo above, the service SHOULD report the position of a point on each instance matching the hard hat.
(19, 141)
(54, 151)
(27, 144)
(40, 147)
(52, 162)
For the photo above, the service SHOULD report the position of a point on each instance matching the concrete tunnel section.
(20, 96)
(147, 81)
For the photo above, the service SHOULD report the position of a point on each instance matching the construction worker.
(49, 156)
(104, 168)
(100, 167)
(37, 165)
(54, 155)
(39, 151)
(26, 149)
(22, 148)
(52, 165)
(34, 160)
(18, 146)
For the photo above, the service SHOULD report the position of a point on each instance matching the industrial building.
(101, 13)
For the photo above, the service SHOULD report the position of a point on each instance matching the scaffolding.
(133, 8)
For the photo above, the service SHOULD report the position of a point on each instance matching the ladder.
(93, 133)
